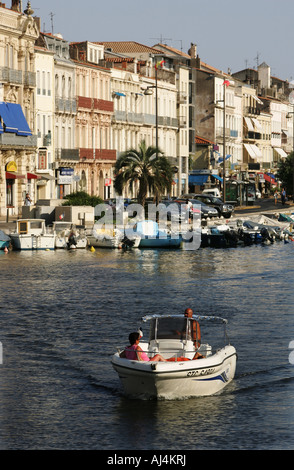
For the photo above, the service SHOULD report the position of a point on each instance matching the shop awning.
(220, 160)
(218, 178)
(249, 124)
(7, 118)
(32, 176)
(253, 151)
(269, 179)
(116, 93)
(198, 179)
(13, 119)
(257, 125)
(14, 176)
(281, 152)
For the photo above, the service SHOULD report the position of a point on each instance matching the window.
(49, 83)
(38, 82)
(44, 83)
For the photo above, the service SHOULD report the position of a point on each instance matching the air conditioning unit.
(54, 166)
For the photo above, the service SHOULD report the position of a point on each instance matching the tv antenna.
(162, 39)
(52, 24)
(257, 59)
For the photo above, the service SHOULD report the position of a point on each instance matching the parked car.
(206, 211)
(223, 209)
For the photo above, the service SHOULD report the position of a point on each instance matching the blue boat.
(4, 240)
(152, 237)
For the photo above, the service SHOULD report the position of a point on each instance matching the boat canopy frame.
(200, 318)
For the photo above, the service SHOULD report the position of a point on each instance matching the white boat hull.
(109, 242)
(177, 380)
(33, 242)
(62, 242)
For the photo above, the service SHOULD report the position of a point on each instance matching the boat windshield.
(168, 328)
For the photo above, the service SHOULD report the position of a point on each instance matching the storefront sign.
(11, 166)
(42, 160)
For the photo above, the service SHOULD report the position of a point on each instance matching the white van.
(212, 191)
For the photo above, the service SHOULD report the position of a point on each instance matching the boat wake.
(262, 379)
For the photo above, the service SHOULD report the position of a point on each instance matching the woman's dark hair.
(133, 337)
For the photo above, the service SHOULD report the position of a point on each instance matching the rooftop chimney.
(193, 51)
(16, 5)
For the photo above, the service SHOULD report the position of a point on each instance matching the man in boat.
(194, 332)
(194, 328)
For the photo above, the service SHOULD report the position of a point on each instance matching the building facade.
(18, 139)
(94, 170)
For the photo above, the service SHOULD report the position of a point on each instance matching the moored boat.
(111, 238)
(68, 236)
(152, 237)
(4, 240)
(32, 234)
(183, 375)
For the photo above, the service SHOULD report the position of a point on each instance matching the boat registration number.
(195, 373)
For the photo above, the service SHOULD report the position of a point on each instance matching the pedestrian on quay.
(283, 196)
(276, 195)
(28, 201)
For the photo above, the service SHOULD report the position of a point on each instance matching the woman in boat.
(135, 353)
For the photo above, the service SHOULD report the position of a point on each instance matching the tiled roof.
(173, 50)
(121, 47)
(201, 141)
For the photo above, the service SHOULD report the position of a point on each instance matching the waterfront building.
(137, 116)
(45, 122)
(95, 107)
(18, 140)
(66, 155)
(267, 114)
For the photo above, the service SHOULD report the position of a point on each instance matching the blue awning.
(1, 128)
(198, 179)
(116, 93)
(220, 160)
(20, 120)
(13, 119)
(218, 178)
(9, 124)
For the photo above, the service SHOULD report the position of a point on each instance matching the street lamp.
(147, 92)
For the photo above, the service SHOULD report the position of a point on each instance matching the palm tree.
(148, 167)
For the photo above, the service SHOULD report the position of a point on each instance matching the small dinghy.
(189, 370)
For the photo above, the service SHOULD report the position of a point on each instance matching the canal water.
(62, 315)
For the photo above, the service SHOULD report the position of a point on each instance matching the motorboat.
(182, 375)
(68, 236)
(4, 240)
(32, 234)
(219, 237)
(153, 237)
(111, 238)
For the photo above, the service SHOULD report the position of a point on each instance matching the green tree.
(285, 173)
(147, 166)
(81, 198)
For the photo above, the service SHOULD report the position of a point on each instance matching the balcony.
(11, 75)
(93, 104)
(100, 154)
(17, 141)
(70, 155)
(182, 98)
(252, 110)
(67, 106)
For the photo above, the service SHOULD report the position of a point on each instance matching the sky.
(229, 34)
